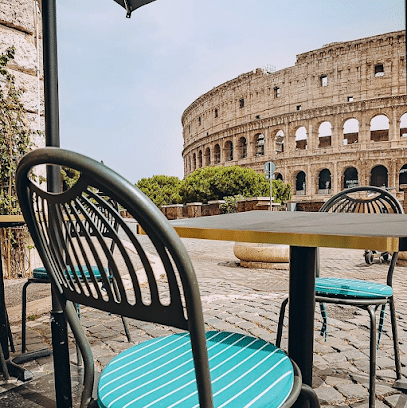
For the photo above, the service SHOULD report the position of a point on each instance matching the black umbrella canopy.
(131, 5)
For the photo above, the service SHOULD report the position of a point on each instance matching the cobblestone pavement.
(248, 300)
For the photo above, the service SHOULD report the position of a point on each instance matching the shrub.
(162, 190)
(215, 183)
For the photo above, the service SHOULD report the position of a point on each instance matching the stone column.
(394, 126)
(336, 134)
(309, 182)
(311, 142)
(290, 140)
(391, 168)
(235, 140)
(364, 129)
(268, 143)
(251, 145)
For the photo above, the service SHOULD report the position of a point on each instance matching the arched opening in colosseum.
(379, 176)
(300, 183)
(403, 125)
(324, 182)
(324, 134)
(242, 148)
(207, 156)
(379, 128)
(278, 176)
(216, 154)
(193, 162)
(200, 159)
(350, 178)
(228, 151)
(279, 142)
(403, 177)
(351, 131)
(301, 138)
(259, 144)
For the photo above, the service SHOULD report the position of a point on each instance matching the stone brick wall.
(259, 113)
(20, 26)
(190, 210)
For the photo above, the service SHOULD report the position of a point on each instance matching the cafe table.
(304, 232)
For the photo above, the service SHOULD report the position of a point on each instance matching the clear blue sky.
(124, 83)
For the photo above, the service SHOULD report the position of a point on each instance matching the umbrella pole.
(58, 322)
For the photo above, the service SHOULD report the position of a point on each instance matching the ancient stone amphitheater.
(336, 119)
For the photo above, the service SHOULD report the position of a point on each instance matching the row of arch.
(379, 131)
(379, 176)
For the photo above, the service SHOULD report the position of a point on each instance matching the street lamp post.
(51, 100)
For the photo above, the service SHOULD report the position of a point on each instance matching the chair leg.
(373, 345)
(395, 338)
(78, 352)
(3, 366)
(324, 327)
(24, 317)
(280, 322)
(126, 328)
(381, 324)
(10, 335)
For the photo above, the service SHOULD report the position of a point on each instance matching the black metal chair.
(364, 294)
(40, 276)
(180, 368)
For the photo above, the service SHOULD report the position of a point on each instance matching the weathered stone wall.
(20, 26)
(258, 117)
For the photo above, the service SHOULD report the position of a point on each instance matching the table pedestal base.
(400, 385)
(32, 355)
(18, 372)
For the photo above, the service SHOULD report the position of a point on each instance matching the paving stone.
(352, 391)
(397, 400)
(329, 395)
(334, 380)
(365, 404)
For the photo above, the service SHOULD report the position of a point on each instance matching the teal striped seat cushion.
(40, 273)
(245, 372)
(351, 288)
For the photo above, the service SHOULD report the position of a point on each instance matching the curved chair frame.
(50, 215)
(45, 280)
(375, 200)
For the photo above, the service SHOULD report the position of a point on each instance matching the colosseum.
(336, 119)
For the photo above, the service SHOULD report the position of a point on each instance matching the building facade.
(20, 27)
(336, 119)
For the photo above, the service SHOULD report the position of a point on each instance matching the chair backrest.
(365, 199)
(79, 227)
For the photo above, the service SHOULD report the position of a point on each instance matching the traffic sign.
(269, 169)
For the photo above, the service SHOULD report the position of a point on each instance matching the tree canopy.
(162, 190)
(212, 183)
(215, 183)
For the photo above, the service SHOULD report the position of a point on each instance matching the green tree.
(14, 143)
(162, 190)
(215, 183)
(281, 192)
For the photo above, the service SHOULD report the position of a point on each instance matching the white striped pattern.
(245, 372)
(351, 288)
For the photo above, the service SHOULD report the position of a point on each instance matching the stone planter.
(264, 256)
(402, 258)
